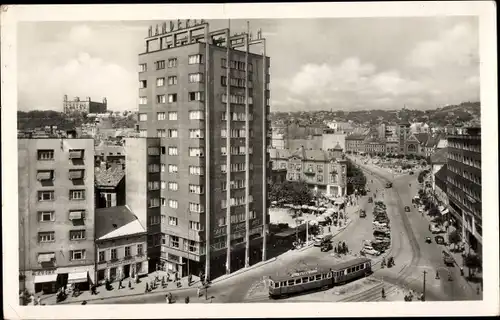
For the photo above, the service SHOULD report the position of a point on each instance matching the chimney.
(65, 98)
(88, 99)
(104, 100)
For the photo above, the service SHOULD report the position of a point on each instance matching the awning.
(43, 175)
(444, 211)
(46, 278)
(46, 257)
(305, 207)
(75, 174)
(75, 215)
(78, 277)
(339, 202)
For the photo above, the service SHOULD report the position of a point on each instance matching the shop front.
(122, 269)
(80, 277)
(45, 281)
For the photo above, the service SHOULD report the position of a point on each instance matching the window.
(195, 77)
(160, 116)
(163, 202)
(195, 59)
(45, 175)
(162, 149)
(154, 202)
(222, 221)
(153, 151)
(172, 98)
(172, 63)
(223, 151)
(161, 133)
(196, 96)
(291, 282)
(172, 151)
(196, 170)
(77, 234)
(173, 221)
(153, 168)
(46, 216)
(114, 255)
(76, 154)
(196, 207)
(143, 67)
(153, 185)
(195, 152)
(140, 249)
(160, 82)
(174, 241)
(318, 277)
(172, 133)
(160, 98)
(173, 186)
(193, 225)
(195, 134)
(173, 204)
(160, 64)
(143, 84)
(172, 80)
(196, 189)
(143, 133)
(172, 168)
(172, 115)
(77, 254)
(143, 116)
(163, 185)
(77, 194)
(102, 256)
(45, 154)
(143, 100)
(46, 236)
(154, 220)
(127, 251)
(196, 115)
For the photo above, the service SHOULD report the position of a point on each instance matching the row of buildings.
(456, 184)
(187, 196)
(402, 138)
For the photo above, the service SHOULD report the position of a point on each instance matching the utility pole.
(423, 296)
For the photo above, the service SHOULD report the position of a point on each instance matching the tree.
(454, 238)
(472, 262)
(293, 192)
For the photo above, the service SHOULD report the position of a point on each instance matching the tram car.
(319, 278)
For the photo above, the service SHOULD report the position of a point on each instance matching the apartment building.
(56, 213)
(205, 96)
(464, 184)
(355, 143)
(324, 171)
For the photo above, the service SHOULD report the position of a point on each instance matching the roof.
(422, 137)
(116, 222)
(279, 153)
(337, 147)
(312, 155)
(440, 156)
(348, 263)
(110, 177)
(355, 137)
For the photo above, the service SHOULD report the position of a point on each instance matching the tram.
(319, 278)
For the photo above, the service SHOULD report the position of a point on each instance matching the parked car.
(448, 259)
(407, 209)
(362, 213)
(326, 246)
(371, 251)
(318, 240)
(411, 172)
(370, 199)
(428, 239)
(439, 239)
(434, 229)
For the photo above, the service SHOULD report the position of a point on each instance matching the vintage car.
(407, 209)
(428, 239)
(439, 239)
(370, 251)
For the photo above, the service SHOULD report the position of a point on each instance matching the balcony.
(309, 172)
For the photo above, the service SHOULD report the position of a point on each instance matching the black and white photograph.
(306, 157)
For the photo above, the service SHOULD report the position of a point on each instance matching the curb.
(244, 270)
(131, 295)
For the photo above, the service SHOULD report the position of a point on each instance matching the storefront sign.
(43, 272)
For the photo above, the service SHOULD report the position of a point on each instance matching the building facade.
(121, 244)
(77, 106)
(208, 102)
(324, 171)
(464, 184)
(355, 143)
(331, 139)
(403, 133)
(56, 213)
(374, 145)
(109, 186)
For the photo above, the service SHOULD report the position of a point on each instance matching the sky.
(316, 64)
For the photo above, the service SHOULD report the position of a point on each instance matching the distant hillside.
(448, 115)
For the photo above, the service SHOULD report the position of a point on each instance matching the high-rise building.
(206, 97)
(56, 213)
(464, 185)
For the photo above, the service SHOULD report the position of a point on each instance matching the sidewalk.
(136, 289)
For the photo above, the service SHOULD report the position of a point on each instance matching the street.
(411, 253)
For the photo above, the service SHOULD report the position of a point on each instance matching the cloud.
(458, 46)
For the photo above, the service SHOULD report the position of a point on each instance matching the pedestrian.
(198, 292)
(120, 284)
(383, 293)
(39, 301)
(130, 284)
(186, 300)
(147, 288)
(189, 279)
